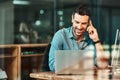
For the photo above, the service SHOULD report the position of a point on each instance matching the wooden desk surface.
(97, 75)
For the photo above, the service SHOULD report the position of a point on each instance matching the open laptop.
(73, 61)
(115, 62)
(116, 49)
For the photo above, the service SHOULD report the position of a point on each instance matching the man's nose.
(79, 26)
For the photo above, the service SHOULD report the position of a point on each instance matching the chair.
(45, 61)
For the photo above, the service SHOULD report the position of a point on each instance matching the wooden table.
(89, 75)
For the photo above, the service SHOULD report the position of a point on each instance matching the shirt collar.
(71, 33)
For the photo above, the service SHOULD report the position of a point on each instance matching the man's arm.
(102, 60)
(55, 45)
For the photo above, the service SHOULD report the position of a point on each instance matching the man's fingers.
(90, 23)
(90, 30)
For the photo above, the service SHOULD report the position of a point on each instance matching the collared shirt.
(65, 40)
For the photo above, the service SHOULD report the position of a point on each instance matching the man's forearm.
(102, 60)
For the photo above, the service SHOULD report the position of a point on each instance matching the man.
(79, 36)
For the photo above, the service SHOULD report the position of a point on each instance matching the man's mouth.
(79, 30)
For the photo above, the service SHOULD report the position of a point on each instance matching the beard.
(78, 32)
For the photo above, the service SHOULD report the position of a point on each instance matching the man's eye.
(76, 22)
(84, 23)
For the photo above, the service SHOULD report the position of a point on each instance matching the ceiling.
(104, 2)
(67, 3)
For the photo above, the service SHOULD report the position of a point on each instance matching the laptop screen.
(73, 61)
(116, 49)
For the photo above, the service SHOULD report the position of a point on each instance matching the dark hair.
(82, 10)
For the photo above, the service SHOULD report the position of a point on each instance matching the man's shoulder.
(63, 30)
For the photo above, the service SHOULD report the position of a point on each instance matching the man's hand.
(92, 32)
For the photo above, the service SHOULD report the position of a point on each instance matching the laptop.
(73, 61)
(116, 49)
(115, 62)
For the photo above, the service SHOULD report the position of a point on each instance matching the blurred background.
(36, 21)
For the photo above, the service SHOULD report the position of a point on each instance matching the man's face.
(80, 23)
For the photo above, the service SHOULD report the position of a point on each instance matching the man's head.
(80, 20)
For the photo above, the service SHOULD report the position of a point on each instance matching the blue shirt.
(65, 40)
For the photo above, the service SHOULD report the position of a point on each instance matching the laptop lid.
(115, 62)
(73, 61)
(116, 50)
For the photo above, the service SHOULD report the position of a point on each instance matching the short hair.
(82, 10)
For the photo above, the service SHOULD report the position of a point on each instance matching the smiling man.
(81, 35)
